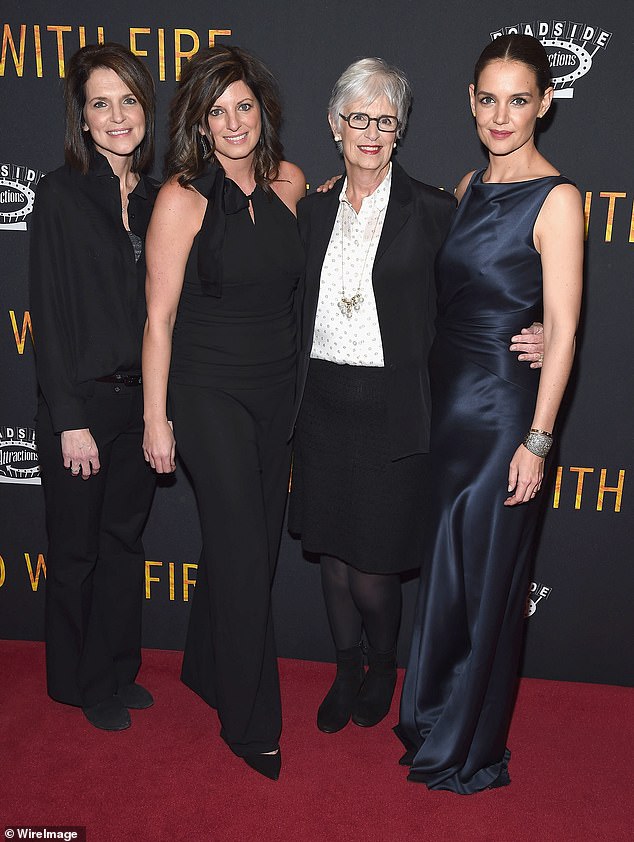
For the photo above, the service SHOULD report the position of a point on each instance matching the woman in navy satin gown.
(515, 248)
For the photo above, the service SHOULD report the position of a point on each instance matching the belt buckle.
(128, 379)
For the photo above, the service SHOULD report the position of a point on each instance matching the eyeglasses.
(359, 120)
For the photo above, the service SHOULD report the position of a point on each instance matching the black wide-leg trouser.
(234, 445)
(95, 560)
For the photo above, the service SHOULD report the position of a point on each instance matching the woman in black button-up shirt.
(87, 273)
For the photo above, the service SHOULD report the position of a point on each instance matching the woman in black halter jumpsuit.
(231, 387)
(224, 263)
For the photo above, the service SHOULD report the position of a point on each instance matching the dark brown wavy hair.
(522, 48)
(205, 78)
(78, 144)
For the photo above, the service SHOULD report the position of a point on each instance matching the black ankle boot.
(335, 710)
(373, 701)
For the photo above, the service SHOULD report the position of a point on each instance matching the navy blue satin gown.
(459, 687)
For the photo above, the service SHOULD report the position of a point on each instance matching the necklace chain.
(351, 304)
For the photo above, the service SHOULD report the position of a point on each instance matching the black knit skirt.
(348, 498)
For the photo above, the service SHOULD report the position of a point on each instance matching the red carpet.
(170, 777)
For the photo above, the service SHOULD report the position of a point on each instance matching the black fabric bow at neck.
(223, 197)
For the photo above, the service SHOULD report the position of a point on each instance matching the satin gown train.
(459, 687)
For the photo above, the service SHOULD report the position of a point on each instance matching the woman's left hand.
(526, 472)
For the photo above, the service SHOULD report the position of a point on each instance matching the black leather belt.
(122, 379)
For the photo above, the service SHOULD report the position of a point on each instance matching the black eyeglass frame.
(371, 120)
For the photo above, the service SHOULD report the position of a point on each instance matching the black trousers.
(233, 444)
(95, 560)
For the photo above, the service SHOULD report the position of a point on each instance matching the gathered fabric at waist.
(496, 324)
(484, 341)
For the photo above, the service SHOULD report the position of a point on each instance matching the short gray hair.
(367, 79)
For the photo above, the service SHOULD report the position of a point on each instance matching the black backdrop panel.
(580, 620)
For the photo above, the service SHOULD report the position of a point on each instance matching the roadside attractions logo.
(18, 456)
(536, 593)
(17, 194)
(570, 46)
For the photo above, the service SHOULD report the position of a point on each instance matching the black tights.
(357, 601)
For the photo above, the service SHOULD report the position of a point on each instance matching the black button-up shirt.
(87, 292)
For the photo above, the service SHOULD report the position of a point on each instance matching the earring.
(205, 145)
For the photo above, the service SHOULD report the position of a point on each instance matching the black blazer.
(87, 294)
(416, 223)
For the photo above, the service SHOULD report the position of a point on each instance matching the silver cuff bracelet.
(538, 443)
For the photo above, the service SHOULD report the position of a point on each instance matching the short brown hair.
(205, 78)
(78, 145)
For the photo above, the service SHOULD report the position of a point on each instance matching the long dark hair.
(78, 145)
(205, 78)
(523, 48)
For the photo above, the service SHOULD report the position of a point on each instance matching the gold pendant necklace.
(349, 305)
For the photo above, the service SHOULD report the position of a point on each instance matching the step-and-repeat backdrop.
(579, 616)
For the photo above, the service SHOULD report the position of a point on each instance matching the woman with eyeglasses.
(363, 404)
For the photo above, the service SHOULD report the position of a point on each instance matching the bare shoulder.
(560, 219)
(290, 185)
(562, 199)
(179, 209)
(291, 172)
(173, 196)
(562, 209)
(462, 185)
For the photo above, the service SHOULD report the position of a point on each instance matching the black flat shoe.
(109, 715)
(269, 765)
(134, 696)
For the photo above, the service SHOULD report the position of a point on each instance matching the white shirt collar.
(375, 201)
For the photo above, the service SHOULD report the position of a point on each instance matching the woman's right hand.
(329, 184)
(159, 446)
(80, 452)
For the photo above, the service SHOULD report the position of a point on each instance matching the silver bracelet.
(538, 442)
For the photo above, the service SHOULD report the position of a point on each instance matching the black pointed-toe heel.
(408, 758)
(269, 765)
